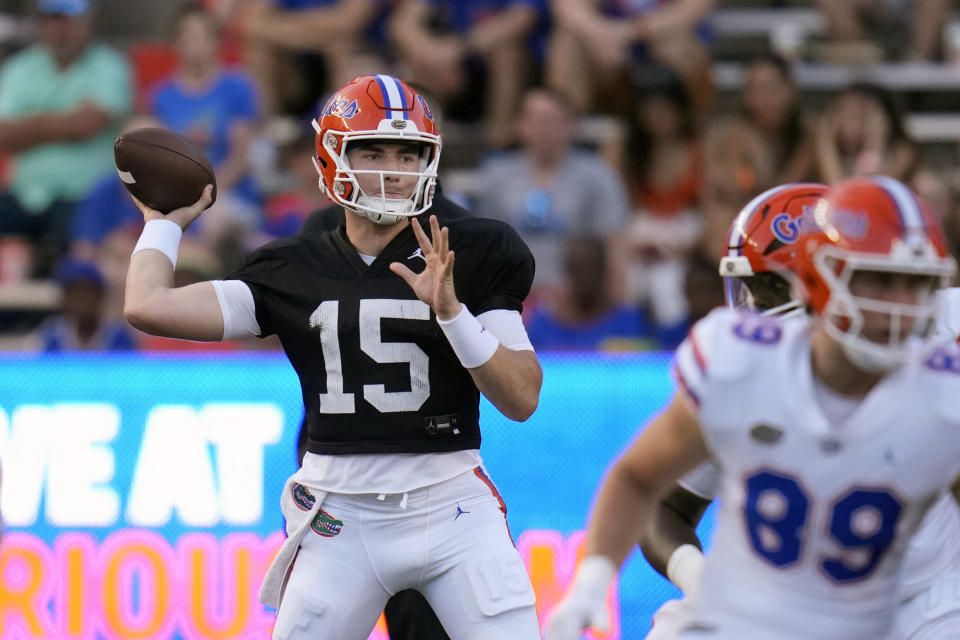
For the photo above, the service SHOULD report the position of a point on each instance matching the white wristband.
(161, 235)
(684, 568)
(473, 344)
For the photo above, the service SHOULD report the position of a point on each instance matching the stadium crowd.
(618, 137)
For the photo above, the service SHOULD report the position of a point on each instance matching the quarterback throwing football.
(394, 326)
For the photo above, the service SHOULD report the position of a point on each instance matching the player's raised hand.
(574, 615)
(434, 285)
(585, 605)
(183, 216)
(669, 620)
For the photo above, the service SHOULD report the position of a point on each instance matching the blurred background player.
(815, 517)
(392, 451)
(760, 249)
(761, 243)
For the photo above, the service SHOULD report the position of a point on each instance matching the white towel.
(299, 505)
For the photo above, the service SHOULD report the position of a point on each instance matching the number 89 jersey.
(814, 517)
(377, 373)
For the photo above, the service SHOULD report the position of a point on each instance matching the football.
(162, 169)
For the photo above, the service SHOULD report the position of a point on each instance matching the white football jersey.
(948, 313)
(815, 517)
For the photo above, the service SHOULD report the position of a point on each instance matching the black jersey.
(376, 371)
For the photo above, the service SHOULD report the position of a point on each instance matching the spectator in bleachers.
(770, 105)
(219, 110)
(663, 167)
(299, 50)
(595, 44)
(769, 140)
(216, 108)
(61, 101)
(859, 31)
(661, 155)
(81, 324)
(736, 167)
(549, 191)
(586, 315)
(472, 54)
(862, 132)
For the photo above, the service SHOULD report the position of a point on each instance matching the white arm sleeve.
(508, 328)
(237, 307)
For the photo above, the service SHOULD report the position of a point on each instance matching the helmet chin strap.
(391, 210)
(871, 360)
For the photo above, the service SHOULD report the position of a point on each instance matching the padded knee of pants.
(499, 582)
(302, 617)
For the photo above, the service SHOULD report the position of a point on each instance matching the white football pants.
(449, 541)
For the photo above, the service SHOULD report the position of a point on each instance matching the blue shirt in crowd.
(209, 115)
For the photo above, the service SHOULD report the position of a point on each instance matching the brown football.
(162, 169)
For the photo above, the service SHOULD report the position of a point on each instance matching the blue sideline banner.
(141, 492)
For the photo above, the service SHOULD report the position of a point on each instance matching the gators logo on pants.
(325, 524)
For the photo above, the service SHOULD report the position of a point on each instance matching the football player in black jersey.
(407, 613)
(394, 326)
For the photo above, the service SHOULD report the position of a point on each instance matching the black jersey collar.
(397, 250)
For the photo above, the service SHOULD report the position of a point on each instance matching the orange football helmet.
(383, 108)
(761, 247)
(879, 228)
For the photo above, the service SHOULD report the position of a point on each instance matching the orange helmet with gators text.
(761, 247)
(376, 108)
(875, 228)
